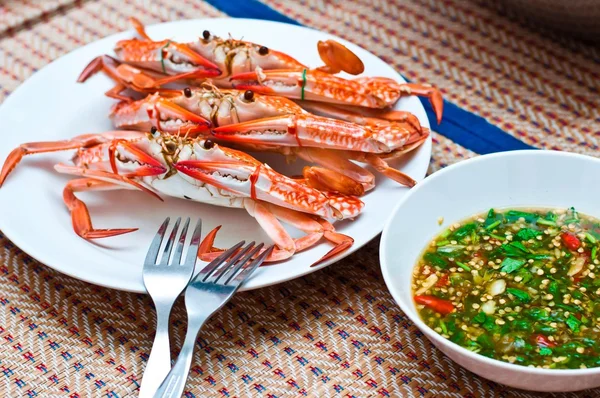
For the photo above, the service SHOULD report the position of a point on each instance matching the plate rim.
(131, 285)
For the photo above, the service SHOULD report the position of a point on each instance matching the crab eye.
(187, 92)
(249, 95)
(206, 35)
(263, 50)
(208, 144)
(153, 130)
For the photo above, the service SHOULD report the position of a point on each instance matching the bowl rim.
(411, 312)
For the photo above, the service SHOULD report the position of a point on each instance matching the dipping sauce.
(516, 285)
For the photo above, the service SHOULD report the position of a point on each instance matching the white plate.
(52, 106)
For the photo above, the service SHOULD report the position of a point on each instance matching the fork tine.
(155, 245)
(169, 246)
(233, 271)
(206, 271)
(192, 254)
(247, 271)
(231, 263)
(179, 248)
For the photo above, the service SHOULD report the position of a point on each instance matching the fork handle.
(173, 385)
(159, 362)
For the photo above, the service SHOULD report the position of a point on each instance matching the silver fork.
(208, 292)
(164, 282)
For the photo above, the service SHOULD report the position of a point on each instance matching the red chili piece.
(543, 341)
(437, 304)
(571, 241)
(443, 281)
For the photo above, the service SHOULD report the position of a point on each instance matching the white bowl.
(508, 179)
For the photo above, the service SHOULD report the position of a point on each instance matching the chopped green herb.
(450, 249)
(566, 307)
(550, 216)
(543, 221)
(519, 294)
(539, 256)
(493, 225)
(573, 323)
(594, 252)
(574, 213)
(545, 329)
(464, 231)
(590, 238)
(514, 215)
(436, 260)
(443, 326)
(480, 317)
(511, 264)
(527, 233)
(545, 351)
(463, 266)
(443, 243)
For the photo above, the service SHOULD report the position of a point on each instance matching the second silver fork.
(207, 293)
(164, 282)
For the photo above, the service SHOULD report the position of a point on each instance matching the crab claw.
(183, 51)
(174, 119)
(164, 56)
(128, 151)
(237, 172)
(338, 57)
(312, 85)
(160, 113)
(304, 130)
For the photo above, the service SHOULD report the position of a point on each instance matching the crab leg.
(268, 216)
(80, 216)
(127, 76)
(315, 227)
(314, 85)
(304, 129)
(139, 28)
(381, 166)
(95, 180)
(363, 116)
(390, 90)
(82, 141)
(336, 162)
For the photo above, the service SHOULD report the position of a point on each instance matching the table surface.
(337, 332)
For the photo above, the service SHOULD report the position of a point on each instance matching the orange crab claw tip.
(106, 233)
(244, 76)
(92, 68)
(342, 247)
(212, 72)
(257, 88)
(190, 168)
(206, 246)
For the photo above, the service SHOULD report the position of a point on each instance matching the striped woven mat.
(334, 333)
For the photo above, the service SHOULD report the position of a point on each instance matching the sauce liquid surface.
(516, 285)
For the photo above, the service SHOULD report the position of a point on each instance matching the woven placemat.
(334, 333)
